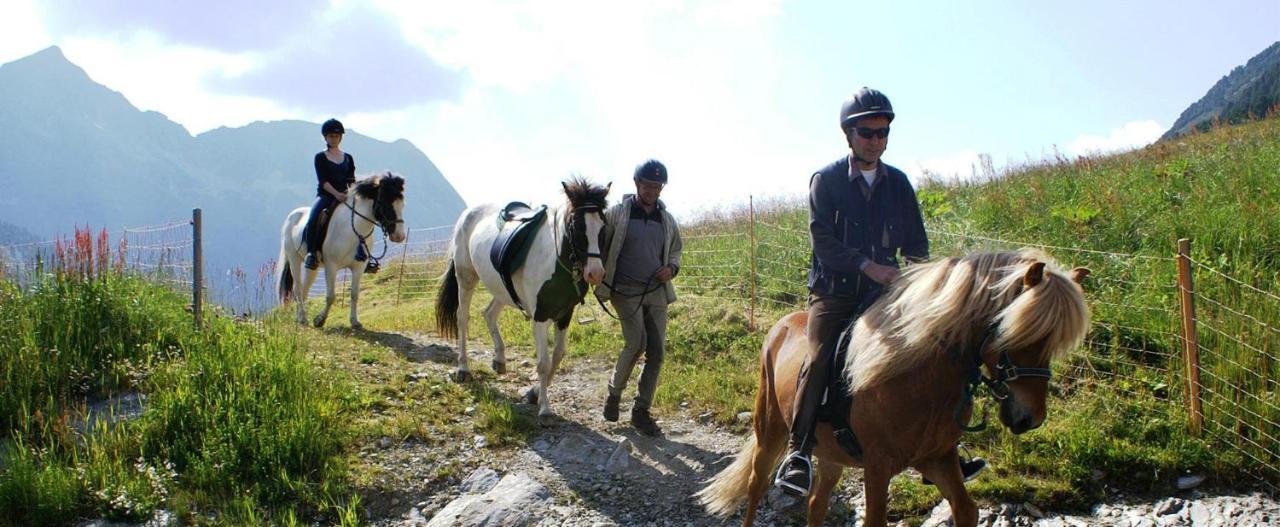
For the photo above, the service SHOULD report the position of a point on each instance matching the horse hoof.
(356, 326)
(499, 367)
(461, 376)
(547, 419)
(319, 322)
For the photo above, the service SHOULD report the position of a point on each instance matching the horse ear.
(1078, 274)
(607, 187)
(565, 186)
(1035, 275)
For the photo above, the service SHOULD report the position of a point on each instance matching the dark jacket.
(846, 229)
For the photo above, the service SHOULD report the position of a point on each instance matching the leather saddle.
(321, 226)
(518, 224)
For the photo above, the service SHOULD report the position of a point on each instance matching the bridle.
(1005, 372)
(380, 213)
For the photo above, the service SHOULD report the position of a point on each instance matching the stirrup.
(791, 488)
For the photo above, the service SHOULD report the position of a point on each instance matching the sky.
(738, 98)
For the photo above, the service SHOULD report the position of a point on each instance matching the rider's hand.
(882, 274)
(341, 196)
(663, 274)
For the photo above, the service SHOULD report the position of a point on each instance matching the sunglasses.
(868, 133)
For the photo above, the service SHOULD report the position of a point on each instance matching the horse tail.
(729, 489)
(284, 275)
(447, 304)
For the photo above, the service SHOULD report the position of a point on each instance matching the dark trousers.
(312, 233)
(828, 316)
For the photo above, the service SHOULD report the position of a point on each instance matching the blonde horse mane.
(940, 307)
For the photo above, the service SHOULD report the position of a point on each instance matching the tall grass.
(237, 417)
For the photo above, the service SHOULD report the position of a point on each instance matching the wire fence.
(1219, 358)
(161, 253)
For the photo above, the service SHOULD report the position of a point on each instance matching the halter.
(1005, 372)
(576, 261)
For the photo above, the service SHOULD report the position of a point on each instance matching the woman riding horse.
(913, 361)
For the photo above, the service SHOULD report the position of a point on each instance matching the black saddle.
(318, 227)
(837, 401)
(518, 223)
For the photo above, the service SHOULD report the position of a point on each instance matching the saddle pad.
(518, 225)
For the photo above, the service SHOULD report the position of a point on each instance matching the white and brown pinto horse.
(564, 257)
(913, 360)
(375, 201)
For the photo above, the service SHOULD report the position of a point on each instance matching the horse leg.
(301, 289)
(829, 473)
(466, 289)
(546, 367)
(561, 333)
(768, 448)
(875, 483)
(499, 348)
(355, 296)
(330, 294)
(944, 471)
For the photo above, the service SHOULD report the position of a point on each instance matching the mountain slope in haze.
(1249, 90)
(73, 151)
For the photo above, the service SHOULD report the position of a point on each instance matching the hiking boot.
(969, 469)
(795, 475)
(311, 262)
(611, 408)
(644, 423)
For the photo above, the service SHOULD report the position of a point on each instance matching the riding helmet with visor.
(866, 102)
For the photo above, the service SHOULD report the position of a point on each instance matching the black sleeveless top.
(339, 175)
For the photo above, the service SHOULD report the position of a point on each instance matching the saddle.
(518, 223)
(837, 401)
(320, 224)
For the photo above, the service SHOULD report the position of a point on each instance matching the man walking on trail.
(643, 244)
(862, 213)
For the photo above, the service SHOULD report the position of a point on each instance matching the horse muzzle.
(1017, 418)
(594, 273)
(397, 236)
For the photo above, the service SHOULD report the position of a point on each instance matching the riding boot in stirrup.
(795, 475)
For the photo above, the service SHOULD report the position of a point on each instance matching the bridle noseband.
(1005, 372)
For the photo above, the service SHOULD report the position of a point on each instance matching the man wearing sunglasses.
(862, 214)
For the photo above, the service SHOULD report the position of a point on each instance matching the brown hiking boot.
(611, 408)
(644, 423)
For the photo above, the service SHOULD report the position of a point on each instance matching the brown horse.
(912, 355)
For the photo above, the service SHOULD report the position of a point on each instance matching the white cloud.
(22, 32)
(1131, 135)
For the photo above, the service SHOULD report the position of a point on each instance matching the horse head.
(387, 193)
(1046, 318)
(584, 226)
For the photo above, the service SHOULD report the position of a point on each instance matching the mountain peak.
(49, 64)
(1247, 91)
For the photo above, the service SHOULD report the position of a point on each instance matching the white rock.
(620, 459)
(516, 501)
(480, 481)
(1190, 482)
(1200, 514)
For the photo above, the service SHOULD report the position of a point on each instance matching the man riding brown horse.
(862, 213)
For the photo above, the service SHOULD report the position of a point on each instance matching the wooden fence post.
(751, 310)
(403, 254)
(1190, 339)
(197, 268)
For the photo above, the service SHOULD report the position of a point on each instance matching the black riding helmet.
(652, 170)
(332, 126)
(865, 102)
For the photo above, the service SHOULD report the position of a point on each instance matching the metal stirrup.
(780, 481)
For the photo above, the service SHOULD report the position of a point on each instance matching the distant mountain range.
(74, 152)
(1249, 90)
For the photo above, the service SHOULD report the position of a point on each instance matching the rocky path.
(582, 470)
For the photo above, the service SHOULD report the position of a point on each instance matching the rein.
(375, 261)
(1006, 372)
